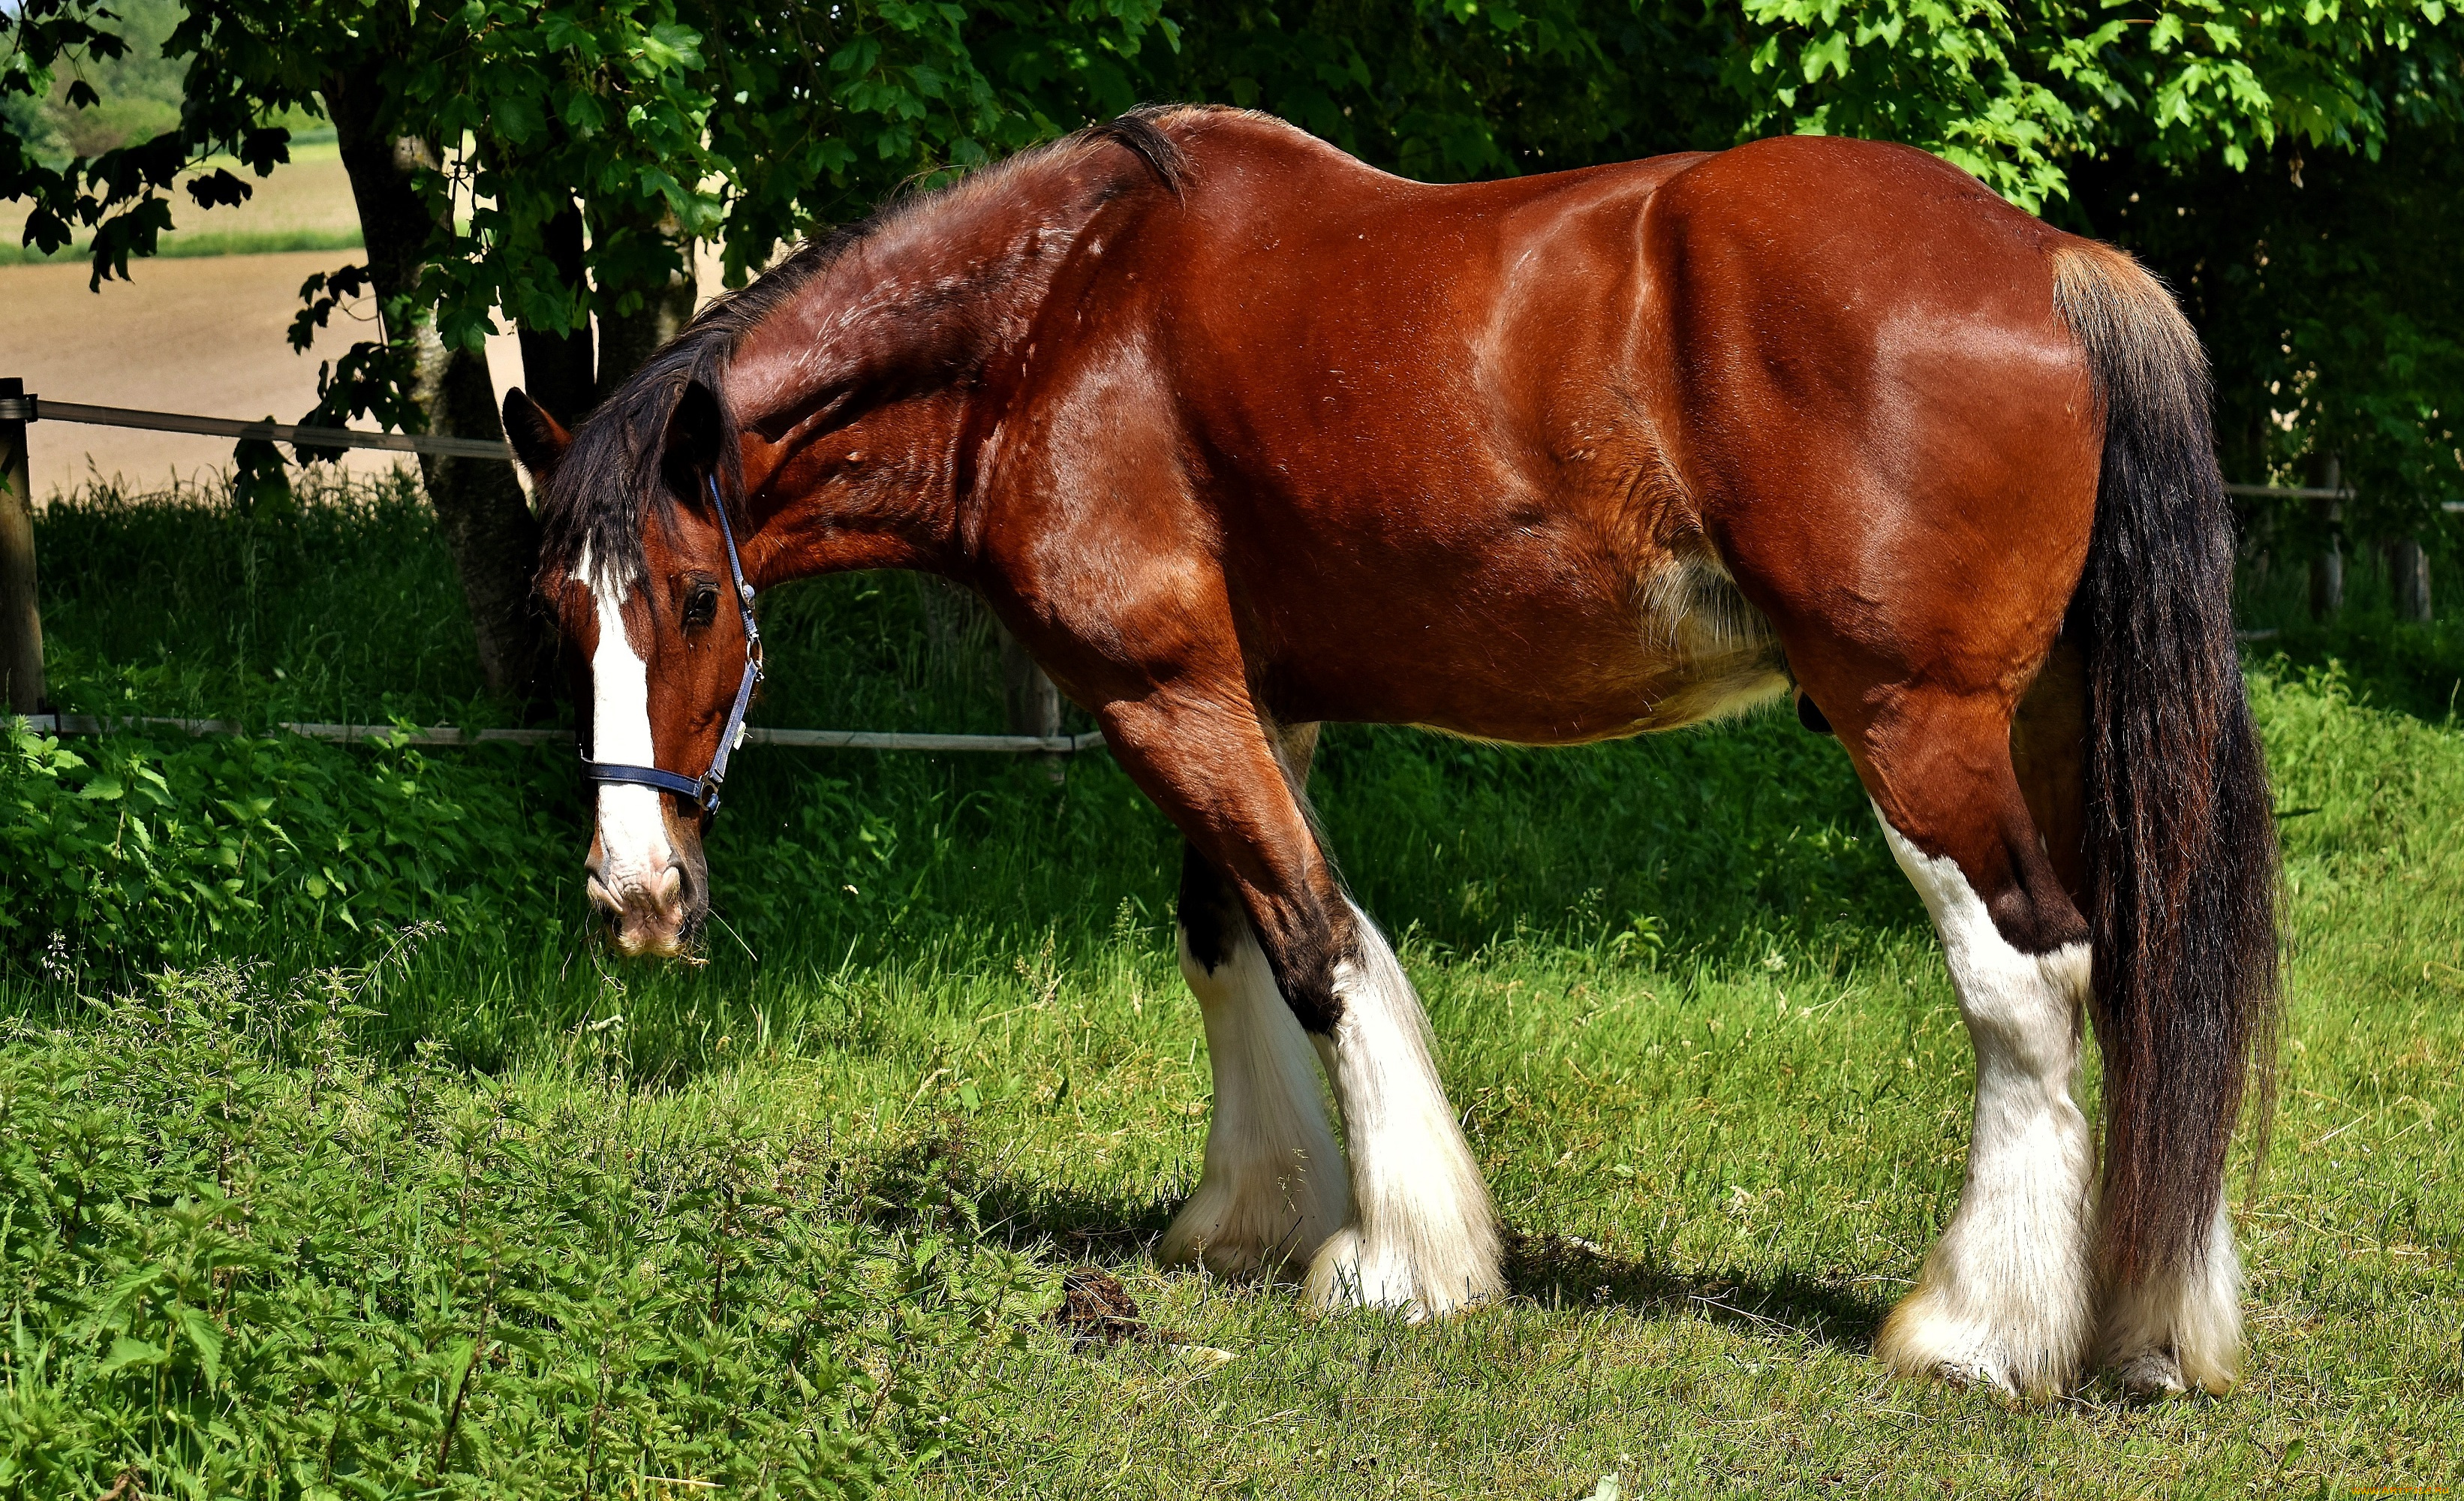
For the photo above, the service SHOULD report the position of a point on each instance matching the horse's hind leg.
(1273, 1187)
(2181, 1325)
(2007, 1295)
(1420, 1235)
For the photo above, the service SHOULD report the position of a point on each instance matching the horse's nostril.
(601, 898)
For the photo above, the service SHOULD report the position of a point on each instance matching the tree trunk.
(627, 338)
(556, 369)
(488, 525)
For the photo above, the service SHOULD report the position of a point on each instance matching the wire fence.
(18, 620)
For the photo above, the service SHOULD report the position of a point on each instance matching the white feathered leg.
(1273, 1189)
(2182, 1327)
(2007, 1295)
(1421, 1237)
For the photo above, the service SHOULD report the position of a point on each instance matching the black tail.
(2181, 837)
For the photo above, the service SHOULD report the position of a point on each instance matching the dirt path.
(202, 336)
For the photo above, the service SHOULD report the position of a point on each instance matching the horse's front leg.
(1418, 1235)
(1273, 1189)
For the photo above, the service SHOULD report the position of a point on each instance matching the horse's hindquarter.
(1416, 416)
(1886, 428)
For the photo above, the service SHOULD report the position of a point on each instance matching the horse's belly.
(1545, 666)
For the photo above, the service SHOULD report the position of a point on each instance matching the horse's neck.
(888, 338)
(933, 293)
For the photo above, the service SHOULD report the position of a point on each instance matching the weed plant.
(1696, 1020)
(243, 1261)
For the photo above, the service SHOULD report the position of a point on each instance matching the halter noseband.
(704, 790)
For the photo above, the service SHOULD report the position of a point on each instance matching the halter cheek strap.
(704, 789)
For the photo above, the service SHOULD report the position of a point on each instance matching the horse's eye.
(701, 606)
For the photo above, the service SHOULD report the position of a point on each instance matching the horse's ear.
(694, 432)
(539, 441)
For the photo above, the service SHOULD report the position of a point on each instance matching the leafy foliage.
(151, 846)
(2328, 289)
(120, 192)
(312, 1278)
(751, 124)
(139, 851)
(2013, 92)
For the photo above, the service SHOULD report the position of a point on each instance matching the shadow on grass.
(934, 1179)
(939, 1177)
(1560, 1271)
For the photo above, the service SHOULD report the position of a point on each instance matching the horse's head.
(659, 648)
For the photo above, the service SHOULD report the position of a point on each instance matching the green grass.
(200, 243)
(1702, 1034)
(260, 1265)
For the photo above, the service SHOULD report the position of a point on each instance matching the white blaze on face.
(634, 845)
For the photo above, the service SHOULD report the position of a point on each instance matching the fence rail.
(33, 409)
(19, 407)
(2317, 493)
(455, 734)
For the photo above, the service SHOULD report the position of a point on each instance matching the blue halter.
(703, 790)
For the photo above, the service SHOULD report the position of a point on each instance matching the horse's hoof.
(1974, 1375)
(2150, 1375)
(1922, 1340)
(1346, 1274)
(1237, 1235)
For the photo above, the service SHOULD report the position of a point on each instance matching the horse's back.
(1409, 400)
(1522, 434)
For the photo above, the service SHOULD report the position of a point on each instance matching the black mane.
(592, 506)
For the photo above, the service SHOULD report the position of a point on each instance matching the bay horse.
(1240, 435)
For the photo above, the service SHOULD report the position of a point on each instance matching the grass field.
(304, 205)
(446, 1202)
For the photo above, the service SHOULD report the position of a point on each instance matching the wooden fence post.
(1031, 702)
(2327, 569)
(21, 620)
(2408, 576)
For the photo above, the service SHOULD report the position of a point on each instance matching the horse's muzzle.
(657, 914)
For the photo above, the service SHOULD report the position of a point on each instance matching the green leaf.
(1830, 52)
(204, 1336)
(127, 1351)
